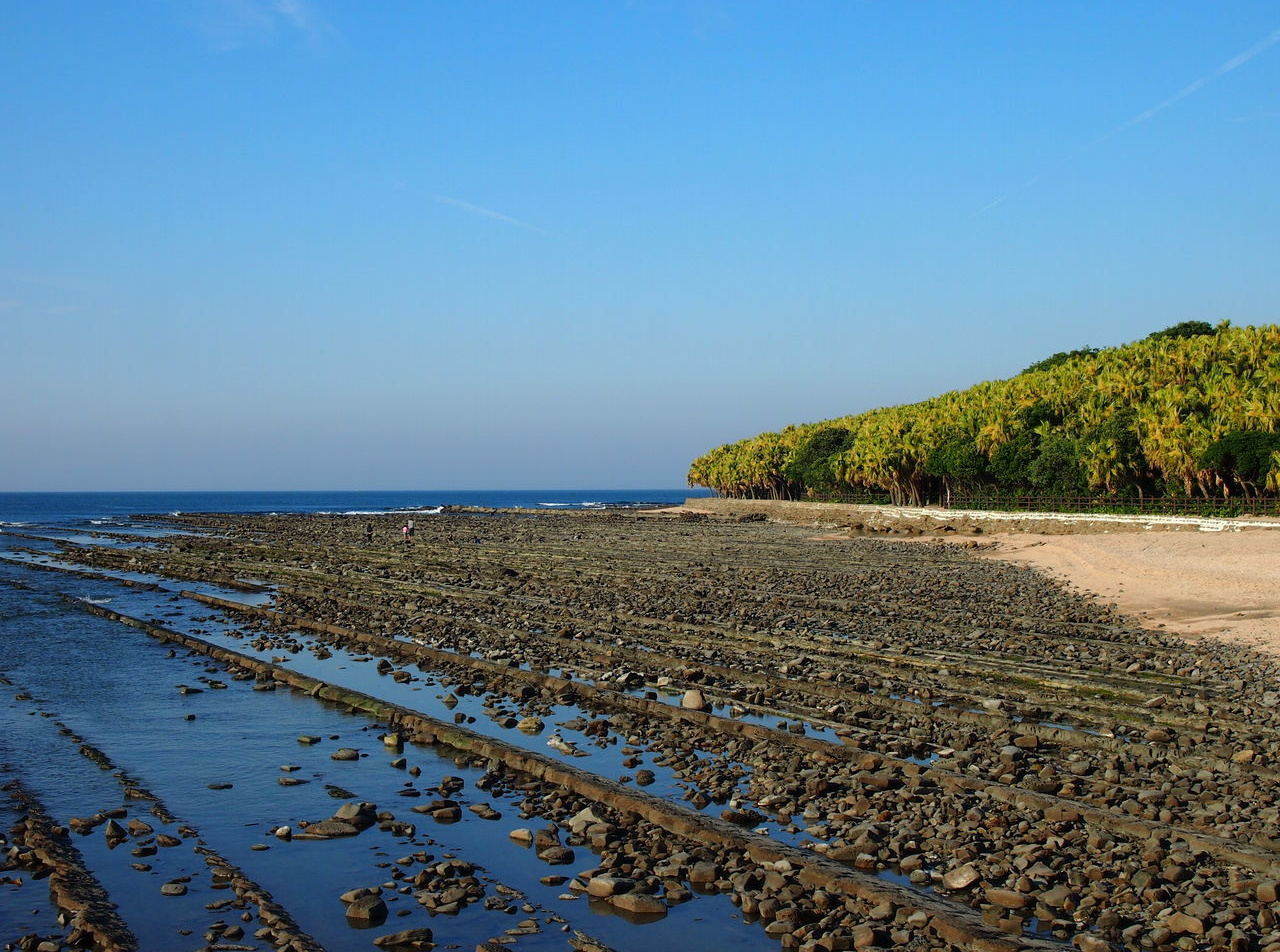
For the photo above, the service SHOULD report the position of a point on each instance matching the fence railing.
(1169, 506)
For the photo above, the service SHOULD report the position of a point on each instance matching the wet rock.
(328, 829)
(580, 821)
(638, 903)
(556, 855)
(605, 886)
(371, 909)
(961, 878)
(345, 753)
(1007, 898)
(704, 872)
(694, 700)
(409, 940)
(546, 838)
(360, 815)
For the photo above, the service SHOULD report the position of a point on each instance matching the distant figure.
(409, 525)
(368, 532)
(404, 532)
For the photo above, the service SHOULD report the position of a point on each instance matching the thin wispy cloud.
(232, 24)
(9, 305)
(1193, 87)
(487, 213)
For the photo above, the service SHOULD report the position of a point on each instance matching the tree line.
(1190, 411)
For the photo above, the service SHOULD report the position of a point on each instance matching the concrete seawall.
(905, 520)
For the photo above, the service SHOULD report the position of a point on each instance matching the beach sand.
(1196, 577)
(1220, 584)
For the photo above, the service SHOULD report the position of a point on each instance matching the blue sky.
(307, 244)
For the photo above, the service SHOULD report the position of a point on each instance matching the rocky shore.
(877, 746)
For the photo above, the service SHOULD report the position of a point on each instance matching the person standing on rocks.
(404, 532)
(368, 532)
(409, 524)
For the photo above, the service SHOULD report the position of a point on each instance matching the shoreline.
(1223, 585)
(1192, 576)
(802, 707)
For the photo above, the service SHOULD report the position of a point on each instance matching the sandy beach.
(1220, 584)
(1196, 577)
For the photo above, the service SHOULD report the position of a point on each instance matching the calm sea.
(76, 510)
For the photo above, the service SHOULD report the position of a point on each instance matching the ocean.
(81, 509)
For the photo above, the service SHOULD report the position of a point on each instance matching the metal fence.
(1155, 506)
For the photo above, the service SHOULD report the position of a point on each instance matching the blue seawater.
(77, 510)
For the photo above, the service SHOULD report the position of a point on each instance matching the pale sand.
(1217, 578)
(1220, 584)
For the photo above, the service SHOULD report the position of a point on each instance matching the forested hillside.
(1193, 410)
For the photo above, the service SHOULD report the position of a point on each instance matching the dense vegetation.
(1191, 411)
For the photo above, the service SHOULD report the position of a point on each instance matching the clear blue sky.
(275, 244)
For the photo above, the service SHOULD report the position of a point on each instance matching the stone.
(410, 940)
(1007, 898)
(605, 886)
(704, 872)
(331, 828)
(1182, 924)
(1057, 897)
(961, 878)
(694, 700)
(345, 753)
(1091, 943)
(865, 936)
(556, 855)
(546, 837)
(361, 815)
(583, 819)
(367, 909)
(638, 903)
